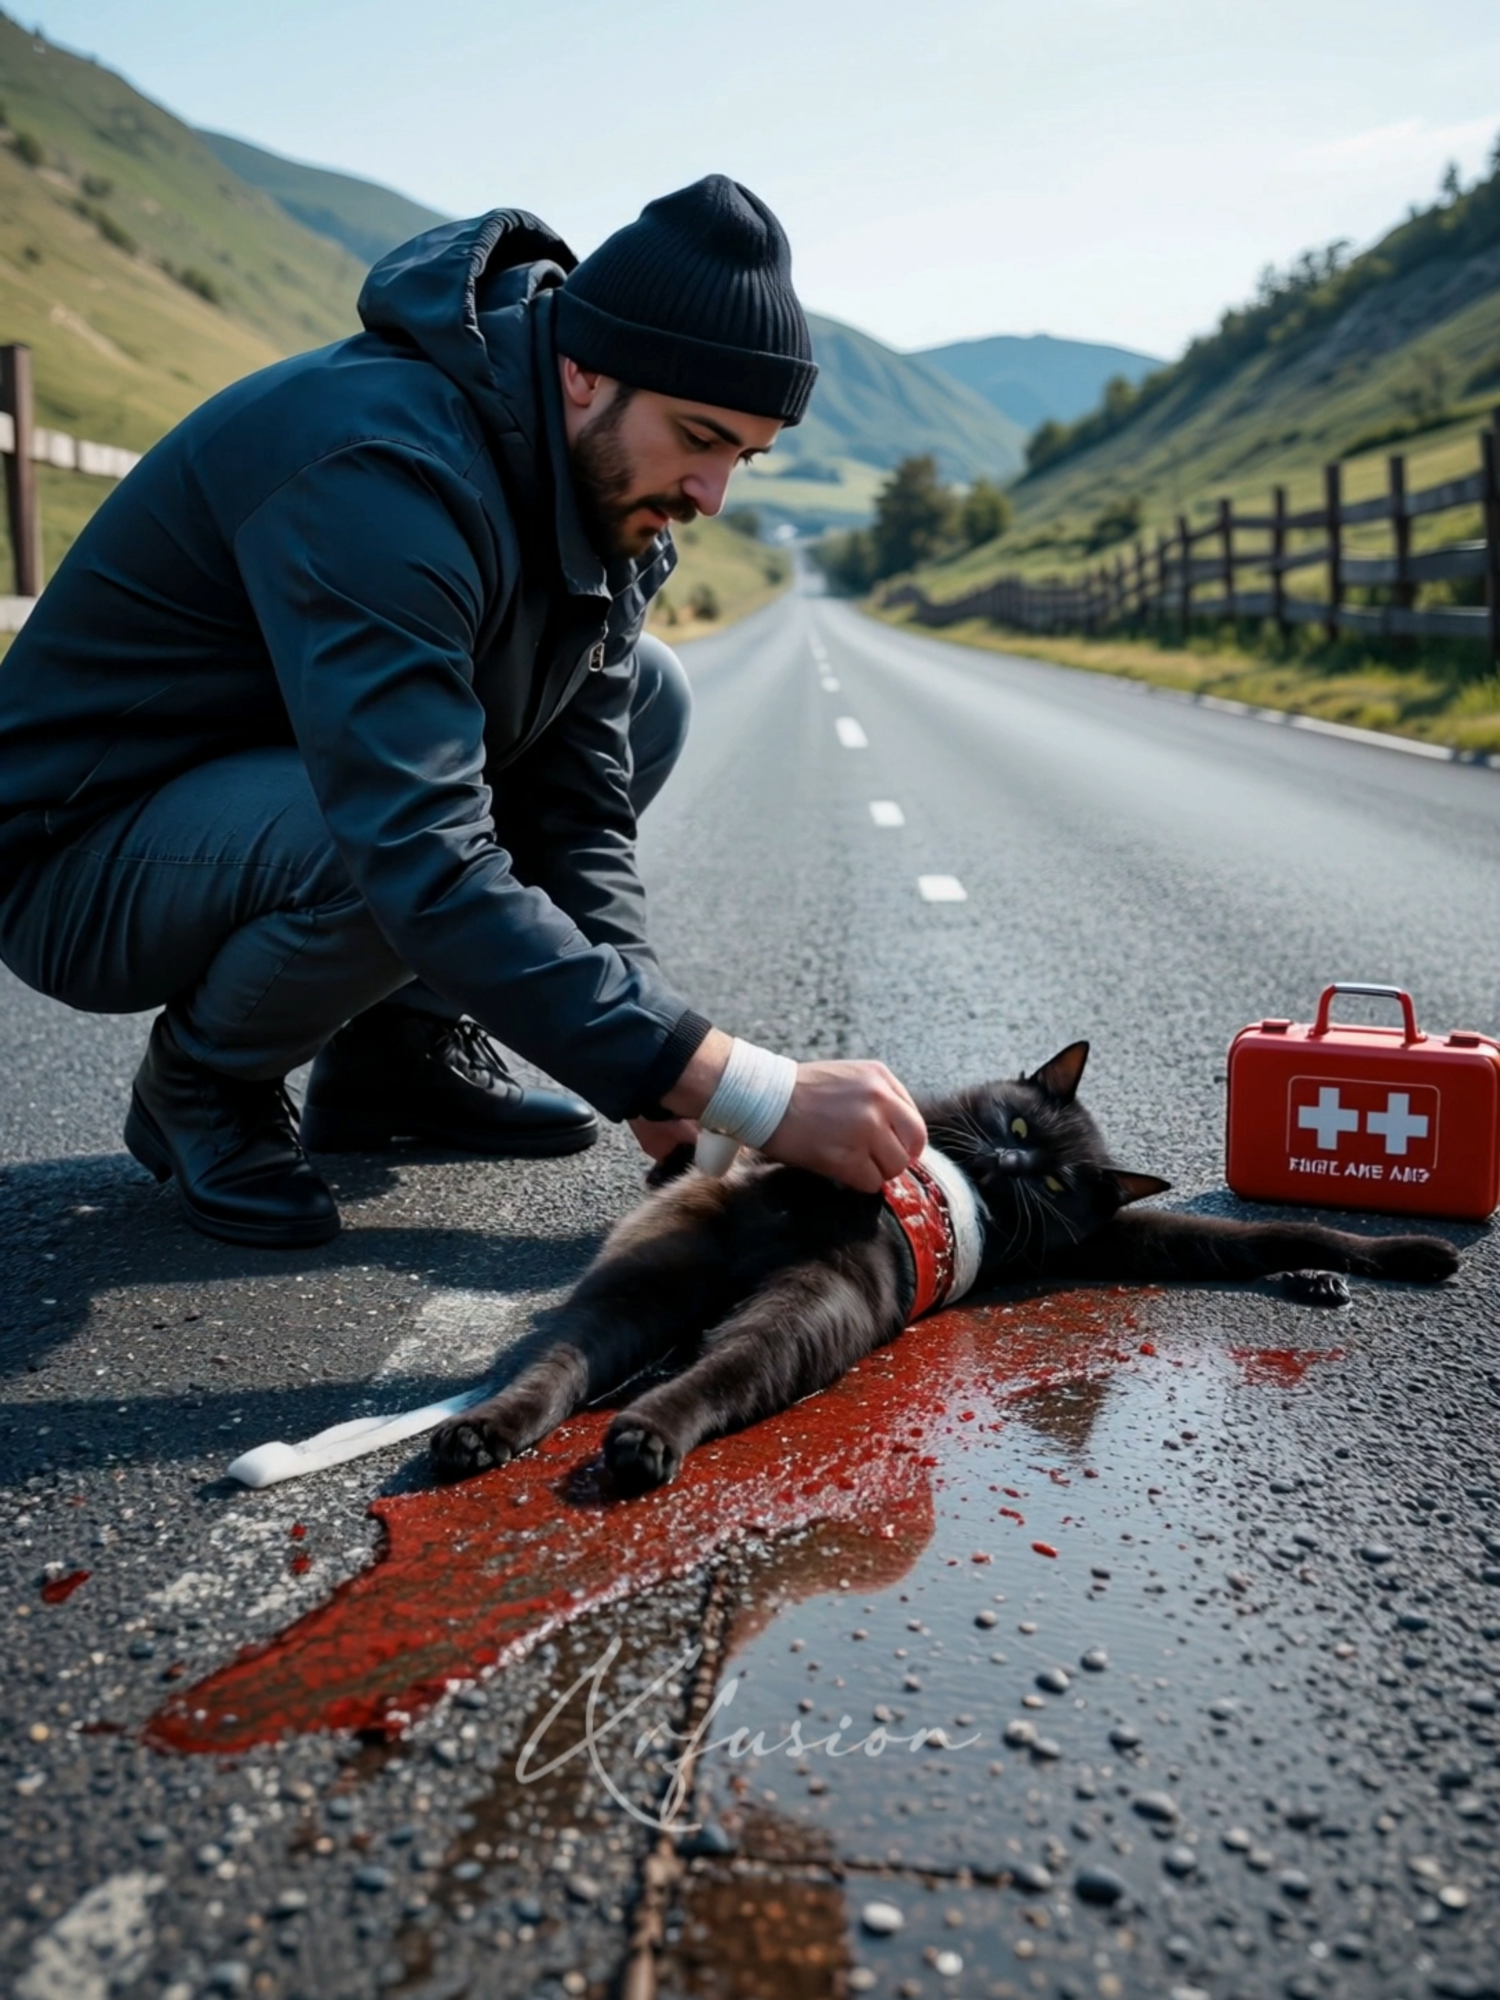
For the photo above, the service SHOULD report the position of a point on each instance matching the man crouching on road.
(331, 734)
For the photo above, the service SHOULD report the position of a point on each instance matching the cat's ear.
(1059, 1078)
(1137, 1187)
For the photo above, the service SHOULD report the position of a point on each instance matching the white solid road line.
(942, 889)
(886, 812)
(850, 734)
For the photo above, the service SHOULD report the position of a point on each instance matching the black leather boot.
(394, 1073)
(232, 1148)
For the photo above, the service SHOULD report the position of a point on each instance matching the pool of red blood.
(471, 1577)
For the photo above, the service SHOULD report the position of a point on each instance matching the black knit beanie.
(695, 299)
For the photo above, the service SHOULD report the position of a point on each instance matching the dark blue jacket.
(374, 552)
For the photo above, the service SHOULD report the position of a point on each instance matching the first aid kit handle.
(1396, 993)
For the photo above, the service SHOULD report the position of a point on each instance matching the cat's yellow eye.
(1055, 1185)
(1019, 1127)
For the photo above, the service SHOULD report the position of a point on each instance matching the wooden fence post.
(1226, 547)
(1278, 557)
(1405, 589)
(1185, 574)
(1490, 444)
(1159, 602)
(20, 471)
(1333, 504)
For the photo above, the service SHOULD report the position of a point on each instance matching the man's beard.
(601, 480)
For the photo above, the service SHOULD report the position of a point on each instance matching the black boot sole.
(325, 1131)
(145, 1143)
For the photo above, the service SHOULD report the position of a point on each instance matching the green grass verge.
(721, 576)
(1438, 699)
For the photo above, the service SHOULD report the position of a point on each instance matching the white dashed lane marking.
(850, 734)
(886, 812)
(942, 889)
(828, 684)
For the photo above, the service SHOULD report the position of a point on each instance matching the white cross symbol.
(1398, 1122)
(1328, 1119)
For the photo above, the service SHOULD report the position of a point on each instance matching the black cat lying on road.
(784, 1280)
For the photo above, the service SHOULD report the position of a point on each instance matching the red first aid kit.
(1361, 1117)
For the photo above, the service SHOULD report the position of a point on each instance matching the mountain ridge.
(1036, 376)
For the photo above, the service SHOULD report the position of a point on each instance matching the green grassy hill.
(878, 407)
(1398, 348)
(365, 218)
(1035, 376)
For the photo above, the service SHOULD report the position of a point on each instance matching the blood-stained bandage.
(941, 1217)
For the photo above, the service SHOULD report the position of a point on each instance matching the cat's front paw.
(469, 1444)
(1417, 1260)
(638, 1456)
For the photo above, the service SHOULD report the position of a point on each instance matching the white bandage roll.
(752, 1096)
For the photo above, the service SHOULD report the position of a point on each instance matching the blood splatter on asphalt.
(473, 1576)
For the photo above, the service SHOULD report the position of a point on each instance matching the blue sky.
(1106, 169)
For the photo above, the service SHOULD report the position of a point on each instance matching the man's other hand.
(853, 1121)
(658, 1136)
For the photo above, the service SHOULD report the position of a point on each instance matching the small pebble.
(372, 1878)
(881, 1919)
(1376, 1552)
(1031, 1876)
(1098, 1885)
(1158, 1806)
(290, 1903)
(1125, 1736)
(1052, 1680)
(1019, 1735)
(229, 1975)
(947, 1963)
(528, 1910)
(1236, 1839)
(708, 1839)
(861, 1980)
(1292, 1882)
(1046, 1747)
(1094, 1661)
(582, 1888)
(1179, 1860)
(985, 1618)
(1453, 1896)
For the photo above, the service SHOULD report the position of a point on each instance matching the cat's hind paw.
(1316, 1288)
(468, 1444)
(1417, 1260)
(638, 1457)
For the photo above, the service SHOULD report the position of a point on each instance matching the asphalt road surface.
(1088, 1644)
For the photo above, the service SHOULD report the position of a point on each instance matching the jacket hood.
(449, 290)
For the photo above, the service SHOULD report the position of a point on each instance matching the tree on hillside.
(983, 513)
(914, 516)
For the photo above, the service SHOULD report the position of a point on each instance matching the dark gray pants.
(222, 898)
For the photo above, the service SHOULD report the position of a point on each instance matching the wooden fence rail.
(25, 446)
(1208, 572)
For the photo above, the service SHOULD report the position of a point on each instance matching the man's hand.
(850, 1120)
(853, 1121)
(658, 1136)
